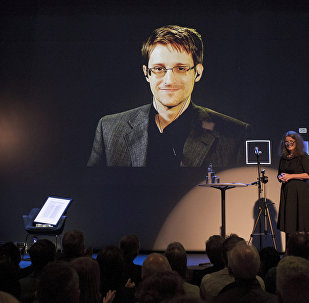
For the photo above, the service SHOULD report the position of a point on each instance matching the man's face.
(171, 89)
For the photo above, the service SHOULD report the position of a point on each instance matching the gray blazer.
(122, 139)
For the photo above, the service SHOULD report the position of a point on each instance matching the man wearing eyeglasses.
(172, 131)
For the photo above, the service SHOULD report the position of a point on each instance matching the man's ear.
(145, 72)
(199, 71)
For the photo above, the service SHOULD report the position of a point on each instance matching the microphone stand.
(263, 207)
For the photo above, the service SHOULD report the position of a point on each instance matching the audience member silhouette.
(298, 245)
(12, 253)
(112, 278)
(293, 280)
(213, 283)
(129, 246)
(59, 283)
(177, 257)
(41, 253)
(73, 245)
(269, 257)
(213, 250)
(154, 263)
(244, 264)
(8, 277)
(160, 287)
(89, 279)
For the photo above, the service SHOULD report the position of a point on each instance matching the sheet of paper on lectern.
(52, 210)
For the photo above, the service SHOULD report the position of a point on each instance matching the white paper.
(52, 210)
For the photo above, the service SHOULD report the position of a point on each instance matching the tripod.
(263, 207)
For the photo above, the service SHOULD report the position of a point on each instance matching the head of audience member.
(8, 277)
(160, 287)
(129, 246)
(214, 250)
(7, 298)
(41, 253)
(228, 244)
(298, 245)
(59, 283)
(177, 258)
(73, 244)
(269, 257)
(111, 268)
(12, 253)
(292, 280)
(154, 263)
(244, 261)
(89, 279)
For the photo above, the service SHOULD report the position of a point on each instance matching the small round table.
(223, 188)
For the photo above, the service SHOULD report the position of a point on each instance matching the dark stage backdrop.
(65, 66)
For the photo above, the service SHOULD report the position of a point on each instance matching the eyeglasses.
(160, 71)
(290, 143)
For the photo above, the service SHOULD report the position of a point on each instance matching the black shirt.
(165, 149)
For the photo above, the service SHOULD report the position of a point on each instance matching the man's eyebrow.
(161, 64)
(176, 64)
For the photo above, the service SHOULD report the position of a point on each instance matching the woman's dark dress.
(294, 198)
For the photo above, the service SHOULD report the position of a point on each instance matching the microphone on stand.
(257, 151)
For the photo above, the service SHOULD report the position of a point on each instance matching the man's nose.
(169, 76)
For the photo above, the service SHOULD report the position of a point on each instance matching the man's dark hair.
(73, 243)
(129, 246)
(214, 248)
(270, 257)
(8, 277)
(228, 244)
(59, 283)
(298, 245)
(180, 38)
(12, 253)
(41, 253)
(177, 257)
(111, 268)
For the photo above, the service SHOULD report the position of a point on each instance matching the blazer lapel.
(136, 137)
(196, 149)
(200, 140)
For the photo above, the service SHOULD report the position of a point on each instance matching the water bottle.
(210, 174)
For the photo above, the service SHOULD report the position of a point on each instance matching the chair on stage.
(35, 230)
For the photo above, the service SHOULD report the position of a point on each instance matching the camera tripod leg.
(267, 218)
(271, 227)
(255, 224)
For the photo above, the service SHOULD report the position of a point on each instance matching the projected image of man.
(171, 131)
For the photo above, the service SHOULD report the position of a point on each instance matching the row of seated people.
(239, 273)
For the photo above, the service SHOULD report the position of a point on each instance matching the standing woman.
(294, 174)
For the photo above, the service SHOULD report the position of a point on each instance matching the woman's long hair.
(89, 279)
(300, 147)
